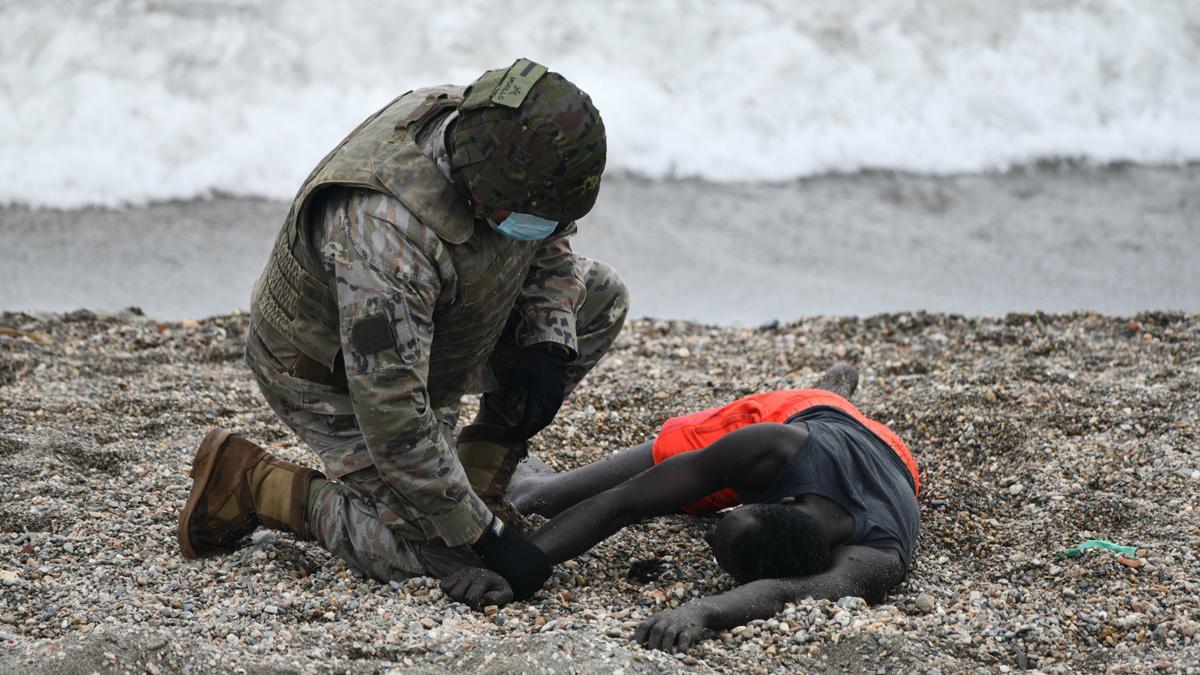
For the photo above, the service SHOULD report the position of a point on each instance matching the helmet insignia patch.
(517, 82)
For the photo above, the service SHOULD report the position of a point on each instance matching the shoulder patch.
(372, 334)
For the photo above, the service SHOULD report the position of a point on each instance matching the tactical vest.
(382, 155)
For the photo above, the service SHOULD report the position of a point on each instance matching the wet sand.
(1115, 240)
(1034, 432)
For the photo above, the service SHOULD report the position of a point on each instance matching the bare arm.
(738, 460)
(659, 490)
(856, 571)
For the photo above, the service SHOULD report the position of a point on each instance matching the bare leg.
(841, 379)
(548, 494)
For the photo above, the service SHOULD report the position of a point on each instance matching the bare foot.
(524, 489)
(841, 379)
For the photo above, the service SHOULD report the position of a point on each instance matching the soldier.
(426, 257)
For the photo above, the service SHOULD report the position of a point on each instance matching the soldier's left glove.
(540, 379)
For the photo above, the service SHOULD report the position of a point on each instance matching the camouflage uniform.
(381, 273)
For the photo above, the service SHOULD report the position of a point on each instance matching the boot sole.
(201, 472)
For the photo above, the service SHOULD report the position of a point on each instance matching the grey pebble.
(924, 602)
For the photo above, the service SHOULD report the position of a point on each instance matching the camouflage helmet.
(527, 140)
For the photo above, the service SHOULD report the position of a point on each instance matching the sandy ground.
(1116, 240)
(1034, 432)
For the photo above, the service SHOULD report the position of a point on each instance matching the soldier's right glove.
(477, 587)
(522, 564)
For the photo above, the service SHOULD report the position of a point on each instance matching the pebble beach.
(1034, 433)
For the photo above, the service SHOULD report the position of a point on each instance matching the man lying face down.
(829, 496)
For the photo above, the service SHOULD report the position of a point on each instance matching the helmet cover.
(530, 141)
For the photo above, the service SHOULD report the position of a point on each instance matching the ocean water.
(116, 102)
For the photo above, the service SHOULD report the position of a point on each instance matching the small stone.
(842, 618)
(924, 602)
(1015, 489)
(271, 609)
(800, 637)
(852, 602)
(9, 578)
(989, 396)
(428, 623)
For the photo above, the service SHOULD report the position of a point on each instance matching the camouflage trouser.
(356, 517)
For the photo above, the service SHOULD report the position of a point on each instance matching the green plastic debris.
(1105, 544)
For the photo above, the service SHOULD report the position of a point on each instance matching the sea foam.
(113, 102)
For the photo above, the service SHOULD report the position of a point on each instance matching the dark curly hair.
(789, 542)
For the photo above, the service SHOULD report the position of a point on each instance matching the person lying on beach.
(827, 509)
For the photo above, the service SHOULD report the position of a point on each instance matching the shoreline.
(1034, 432)
(1114, 240)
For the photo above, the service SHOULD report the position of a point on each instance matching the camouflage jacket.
(414, 298)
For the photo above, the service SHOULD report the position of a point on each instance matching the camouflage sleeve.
(391, 273)
(552, 294)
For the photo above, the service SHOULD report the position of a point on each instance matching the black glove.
(539, 378)
(522, 564)
(477, 587)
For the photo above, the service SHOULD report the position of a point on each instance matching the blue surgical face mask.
(524, 227)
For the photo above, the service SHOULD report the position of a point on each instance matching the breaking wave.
(113, 102)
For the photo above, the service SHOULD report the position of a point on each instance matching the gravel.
(1034, 432)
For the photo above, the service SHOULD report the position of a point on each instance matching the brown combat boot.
(237, 486)
(490, 460)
